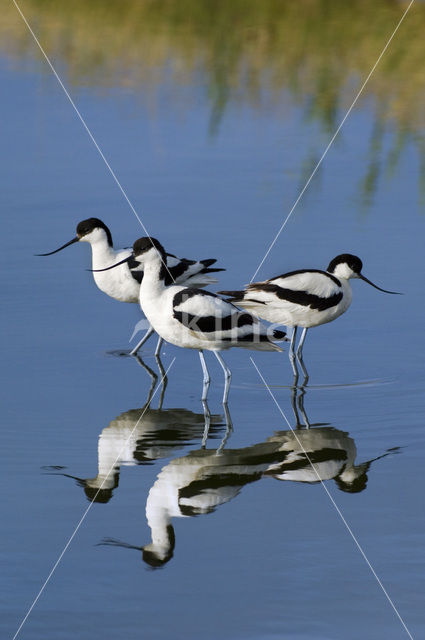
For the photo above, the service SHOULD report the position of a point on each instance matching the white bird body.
(196, 319)
(201, 481)
(331, 451)
(194, 485)
(119, 283)
(204, 479)
(333, 297)
(141, 436)
(123, 282)
(192, 318)
(305, 298)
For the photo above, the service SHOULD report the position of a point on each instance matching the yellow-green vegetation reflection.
(317, 52)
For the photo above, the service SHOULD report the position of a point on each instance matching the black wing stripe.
(188, 292)
(199, 487)
(176, 271)
(295, 273)
(302, 298)
(249, 337)
(211, 324)
(312, 457)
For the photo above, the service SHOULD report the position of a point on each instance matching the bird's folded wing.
(207, 313)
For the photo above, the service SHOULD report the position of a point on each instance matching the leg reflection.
(229, 428)
(301, 395)
(153, 377)
(294, 398)
(207, 418)
(164, 379)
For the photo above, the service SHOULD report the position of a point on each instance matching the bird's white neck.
(103, 255)
(153, 282)
(159, 519)
(343, 272)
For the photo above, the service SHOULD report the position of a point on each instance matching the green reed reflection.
(244, 51)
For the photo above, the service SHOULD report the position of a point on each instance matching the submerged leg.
(227, 376)
(207, 378)
(294, 398)
(147, 335)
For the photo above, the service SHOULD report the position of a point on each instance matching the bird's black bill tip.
(76, 239)
(394, 293)
(130, 257)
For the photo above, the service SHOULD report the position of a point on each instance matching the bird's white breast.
(117, 283)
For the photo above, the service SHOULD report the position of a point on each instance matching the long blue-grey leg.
(207, 378)
(291, 352)
(158, 347)
(207, 419)
(147, 335)
(301, 343)
(300, 356)
(292, 357)
(227, 376)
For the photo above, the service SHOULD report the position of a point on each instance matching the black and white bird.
(305, 298)
(123, 284)
(200, 482)
(138, 437)
(192, 318)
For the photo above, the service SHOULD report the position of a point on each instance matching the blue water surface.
(274, 559)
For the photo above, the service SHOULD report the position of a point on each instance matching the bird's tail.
(207, 264)
(232, 296)
(280, 335)
(200, 280)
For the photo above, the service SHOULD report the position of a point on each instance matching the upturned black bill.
(76, 239)
(130, 257)
(396, 293)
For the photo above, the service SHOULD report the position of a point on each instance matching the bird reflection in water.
(141, 436)
(199, 482)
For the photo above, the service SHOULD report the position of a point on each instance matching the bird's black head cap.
(145, 244)
(346, 258)
(87, 226)
(358, 485)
